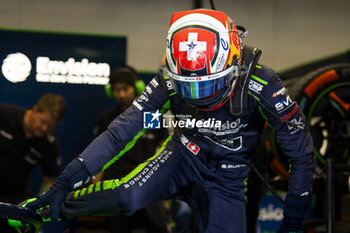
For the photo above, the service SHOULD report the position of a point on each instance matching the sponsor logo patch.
(256, 87)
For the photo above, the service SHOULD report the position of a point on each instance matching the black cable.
(212, 5)
(272, 190)
(197, 4)
(241, 28)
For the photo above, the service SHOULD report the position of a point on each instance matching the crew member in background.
(26, 141)
(124, 85)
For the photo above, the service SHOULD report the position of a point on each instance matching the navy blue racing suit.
(205, 163)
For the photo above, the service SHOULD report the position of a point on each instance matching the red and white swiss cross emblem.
(193, 148)
(194, 48)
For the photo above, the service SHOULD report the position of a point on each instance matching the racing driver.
(223, 96)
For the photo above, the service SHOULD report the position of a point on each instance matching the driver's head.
(202, 54)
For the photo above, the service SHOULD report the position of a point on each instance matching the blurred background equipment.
(322, 89)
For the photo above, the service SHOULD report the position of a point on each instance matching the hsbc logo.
(283, 104)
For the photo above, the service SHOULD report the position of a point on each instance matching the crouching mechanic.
(213, 84)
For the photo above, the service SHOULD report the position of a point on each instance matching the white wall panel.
(289, 32)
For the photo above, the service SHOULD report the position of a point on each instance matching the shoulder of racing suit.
(267, 89)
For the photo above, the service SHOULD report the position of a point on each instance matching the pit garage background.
(289, 32)
(296, 37)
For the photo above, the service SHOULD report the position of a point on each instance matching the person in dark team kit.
(26, 140)
(124, 85)
(221, 97)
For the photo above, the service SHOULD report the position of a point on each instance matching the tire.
(324, 97)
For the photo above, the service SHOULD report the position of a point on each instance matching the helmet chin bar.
(238, 103)
(214, 102)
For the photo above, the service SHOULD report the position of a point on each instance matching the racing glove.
(295, 208)
(73, 176)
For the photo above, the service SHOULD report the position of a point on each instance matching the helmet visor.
(198, 87)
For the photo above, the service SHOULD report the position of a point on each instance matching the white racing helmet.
(202, 55)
